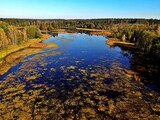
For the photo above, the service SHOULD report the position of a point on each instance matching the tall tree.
(12, 34)
(123, 37)
(158, 29)
(3, 38)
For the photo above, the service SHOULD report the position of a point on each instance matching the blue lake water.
(80, 50)
(82, 78)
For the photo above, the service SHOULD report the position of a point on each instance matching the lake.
(81, 78)
(79, 50)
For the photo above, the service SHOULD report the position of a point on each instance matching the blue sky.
(82, 9)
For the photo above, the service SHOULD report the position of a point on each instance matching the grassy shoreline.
(115, 41)
(14, 48)
(106, 33)
(15, 53)
(111, 41)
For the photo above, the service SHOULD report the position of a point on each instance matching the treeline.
(146, 37)
(145, 33)
(13, 35)
(86, 23)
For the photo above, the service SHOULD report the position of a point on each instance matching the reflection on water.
(81, 79)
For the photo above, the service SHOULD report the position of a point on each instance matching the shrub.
(33, 32)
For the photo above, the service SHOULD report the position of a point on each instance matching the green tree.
(33, 32)
(54, 24)
(129, 35)
(50, 28)
(91, 25)
(156, 46)
(145, 40)
(4, 26)
(43, 26)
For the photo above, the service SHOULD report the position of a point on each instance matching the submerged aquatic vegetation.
(68, 84)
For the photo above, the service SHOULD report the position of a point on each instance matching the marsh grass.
(13, 48)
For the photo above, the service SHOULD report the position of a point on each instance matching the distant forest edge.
(77, 22)
(145, 33)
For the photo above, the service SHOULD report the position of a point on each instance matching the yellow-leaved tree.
(3, 39)
(12, 34)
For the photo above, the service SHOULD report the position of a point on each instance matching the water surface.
(80, 79)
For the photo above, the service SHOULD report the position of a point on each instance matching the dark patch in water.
(110, 94)
(108, 80)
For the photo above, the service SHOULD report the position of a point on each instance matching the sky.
(79, 9)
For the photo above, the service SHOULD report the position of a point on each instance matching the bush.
(4, 26)
(156, 46)
(145, 41)
(33, 32)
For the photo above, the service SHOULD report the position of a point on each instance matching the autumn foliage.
(12, 35)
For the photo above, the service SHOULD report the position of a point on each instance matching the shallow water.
(72, 81)
(79, 50)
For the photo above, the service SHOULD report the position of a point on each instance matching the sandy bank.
(115, 41)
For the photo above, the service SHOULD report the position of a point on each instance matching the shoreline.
(111, 41)
(37, 43)
(15, 48)
(114, 41)
(17, 56)
(14, 56)
(105, 33)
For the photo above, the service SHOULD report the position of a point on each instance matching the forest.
(145, 33)
(10, 34)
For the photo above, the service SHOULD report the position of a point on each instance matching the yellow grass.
(97, 31)
(13, 48)
(115, 41)
(111, 41)
(87, 29)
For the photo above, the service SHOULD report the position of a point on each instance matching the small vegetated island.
(67, 85)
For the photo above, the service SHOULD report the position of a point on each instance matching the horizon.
(79, 19)
(80, 9)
